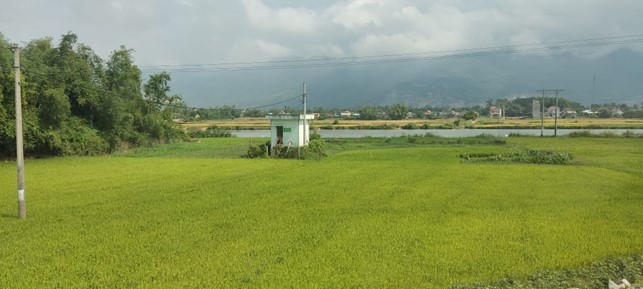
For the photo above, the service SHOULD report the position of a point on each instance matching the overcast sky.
(193, 31)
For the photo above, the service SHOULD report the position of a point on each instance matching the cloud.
(357, 13)
(257, 50)
(287, 19)
(193, 31)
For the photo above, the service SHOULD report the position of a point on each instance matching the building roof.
(290, 116)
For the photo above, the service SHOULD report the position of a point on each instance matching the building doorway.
(280, 135)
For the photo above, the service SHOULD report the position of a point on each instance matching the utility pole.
(542, 114)
(589, 115)
(556, 91)
(304, 100)
(22, 205)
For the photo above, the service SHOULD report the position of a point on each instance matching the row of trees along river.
(519, 107)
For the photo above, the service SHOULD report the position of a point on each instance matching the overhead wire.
(394, 58)
(380, 59)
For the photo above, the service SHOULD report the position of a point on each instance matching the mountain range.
(615, 77)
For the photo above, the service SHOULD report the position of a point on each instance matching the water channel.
(353, 133)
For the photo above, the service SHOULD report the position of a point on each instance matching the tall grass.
(369, 216)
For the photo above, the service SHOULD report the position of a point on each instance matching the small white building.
(290, 130)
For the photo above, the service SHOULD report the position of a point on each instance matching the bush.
(258, 151)
(411, 125)
(582, 133)
(523, 157)
(74, 138)
(315, 150)
(210, 132)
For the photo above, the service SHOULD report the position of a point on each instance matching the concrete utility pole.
(556, 91)
(22, 205)
(542, 115)
(304, 100)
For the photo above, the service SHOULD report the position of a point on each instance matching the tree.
(398, 111)
(157, 88)
(369, 112)
(122, 77)
(470, 115)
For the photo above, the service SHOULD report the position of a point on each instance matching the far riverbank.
(425, 124)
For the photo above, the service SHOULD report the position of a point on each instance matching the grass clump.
(521, 157)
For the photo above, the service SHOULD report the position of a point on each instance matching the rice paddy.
(375, 214)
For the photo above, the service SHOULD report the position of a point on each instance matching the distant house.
(588, 112)
(345, 114)
(495, 111)
(616, 112)
(569, 113)
(289, 130)
(553, 111)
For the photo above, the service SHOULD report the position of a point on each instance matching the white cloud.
(166, 29)
(288, 19)
(357, 13)
(257, 50)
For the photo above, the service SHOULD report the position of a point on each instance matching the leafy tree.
(369, 112)
(470, 115)
(398, 111)
(77, 104)
(54, 107)
(157, 88)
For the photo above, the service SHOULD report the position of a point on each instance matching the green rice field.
(376, 213)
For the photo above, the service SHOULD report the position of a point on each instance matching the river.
(354, 133)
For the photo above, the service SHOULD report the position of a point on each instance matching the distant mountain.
(455, 82)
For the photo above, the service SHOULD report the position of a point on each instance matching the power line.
(396, 58)
(389, 55)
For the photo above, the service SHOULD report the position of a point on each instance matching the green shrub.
(210, 132)
(411, 125)
(73, 138)
(258, 151)
(523, 157)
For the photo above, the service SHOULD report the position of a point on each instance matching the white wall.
(296, 134)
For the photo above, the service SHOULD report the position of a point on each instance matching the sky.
(179, 32)
(190, 31)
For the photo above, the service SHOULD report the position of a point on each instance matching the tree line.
(75, 103)
(519, 107)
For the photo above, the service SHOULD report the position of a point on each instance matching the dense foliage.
(75, 103)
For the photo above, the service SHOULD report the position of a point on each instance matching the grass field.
(372, 215)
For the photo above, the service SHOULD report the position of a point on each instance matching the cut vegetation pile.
(376, 213)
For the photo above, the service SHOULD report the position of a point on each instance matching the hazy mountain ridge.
(454, 82)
